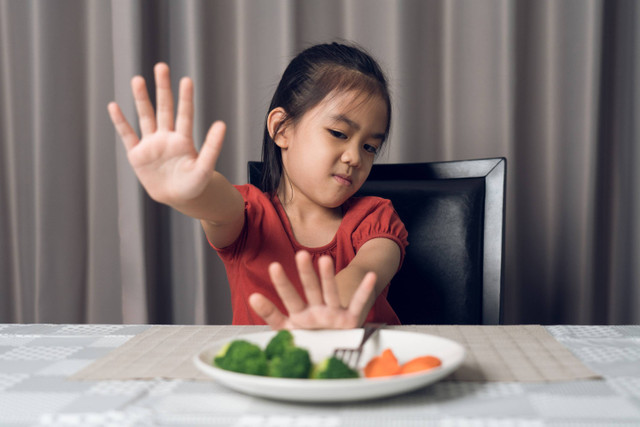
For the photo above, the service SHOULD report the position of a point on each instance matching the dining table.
(144, 375)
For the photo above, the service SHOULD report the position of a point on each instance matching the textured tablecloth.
(36, 362)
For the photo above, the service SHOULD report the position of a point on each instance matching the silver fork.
(347, 354)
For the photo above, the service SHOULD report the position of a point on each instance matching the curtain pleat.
(618, 138)
(634, 196)
(551, 85)
(126, 60)
(552, 168)
(58, 174)
(11, 306)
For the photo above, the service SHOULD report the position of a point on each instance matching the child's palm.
(166, 165)
(321, 317)
(165, 159)
(322, 310)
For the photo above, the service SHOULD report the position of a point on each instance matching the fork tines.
(347, 354)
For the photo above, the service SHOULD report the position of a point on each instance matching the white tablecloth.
(36, 361)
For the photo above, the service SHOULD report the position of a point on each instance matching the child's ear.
(276, 123)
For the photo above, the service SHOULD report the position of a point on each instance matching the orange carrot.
(381, 366)
(418, 364)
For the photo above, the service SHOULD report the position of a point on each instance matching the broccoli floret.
(293, 363)
(281, 359)
(244, 357)
(280, 342)
(333, 368)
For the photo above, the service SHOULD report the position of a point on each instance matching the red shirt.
(267, 237)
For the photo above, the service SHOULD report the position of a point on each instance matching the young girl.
(305, 235)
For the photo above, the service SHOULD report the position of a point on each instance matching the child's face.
(328, 154)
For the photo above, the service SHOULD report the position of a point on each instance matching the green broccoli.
(280, 342)
(333, 368)
(294, 362)
(281, 358)
(243, 357)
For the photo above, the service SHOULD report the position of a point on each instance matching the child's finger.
(308, 278)
(184, 120)
(362, 294)
(328, 279)
(146, 116)
(287, 293)
(268, 311)
(164, 97)
(212, 146)
(124, 129)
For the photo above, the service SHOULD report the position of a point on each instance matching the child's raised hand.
(323, 310)
(165, 159)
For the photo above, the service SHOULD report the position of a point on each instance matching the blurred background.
(552, 85)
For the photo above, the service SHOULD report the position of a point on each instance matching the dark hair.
(307, 80)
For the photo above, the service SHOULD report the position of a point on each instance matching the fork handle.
(369, 329)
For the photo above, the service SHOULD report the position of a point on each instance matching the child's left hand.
(323, 310)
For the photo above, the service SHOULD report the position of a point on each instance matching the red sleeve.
(254, 200)
(381, 220)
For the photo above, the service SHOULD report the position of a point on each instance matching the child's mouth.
(342, 179)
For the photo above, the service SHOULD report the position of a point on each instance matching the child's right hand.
(165, 160)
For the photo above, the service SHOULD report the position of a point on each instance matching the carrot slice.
(381, 366)
(422, 363)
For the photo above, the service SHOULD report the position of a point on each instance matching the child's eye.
(371, 149)
(337, 134)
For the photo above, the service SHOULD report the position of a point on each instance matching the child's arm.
(169, 167)
(379, 255)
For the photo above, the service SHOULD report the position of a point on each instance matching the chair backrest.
(454, 213)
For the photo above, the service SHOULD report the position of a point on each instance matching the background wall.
(553, 85)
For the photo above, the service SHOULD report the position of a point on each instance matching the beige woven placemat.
(518, 353)
(514, 353)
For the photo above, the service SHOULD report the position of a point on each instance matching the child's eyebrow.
(347, 120)
(352, 124)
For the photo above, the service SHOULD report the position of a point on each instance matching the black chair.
(454, 213)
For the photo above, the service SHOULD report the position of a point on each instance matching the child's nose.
(351, 156)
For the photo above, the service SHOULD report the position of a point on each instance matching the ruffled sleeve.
(378, 218)
(254, 211)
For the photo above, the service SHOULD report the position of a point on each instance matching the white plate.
(405, 345)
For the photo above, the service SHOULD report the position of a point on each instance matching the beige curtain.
(553, 85)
